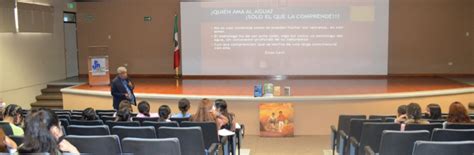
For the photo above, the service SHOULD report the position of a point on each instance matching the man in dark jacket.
(122, 88)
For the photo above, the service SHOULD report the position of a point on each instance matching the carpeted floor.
(298, 145)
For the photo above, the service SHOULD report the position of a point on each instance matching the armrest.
(212, 150)
(333, 136)
(369, 151)
(342, 142)
(354, 146)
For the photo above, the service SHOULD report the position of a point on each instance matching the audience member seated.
(89, 114)
(7, 145)
(221, 108)
(124, 113)
(13, 115)
(43, 134)
(164, 111)
(205, 113)
(401, 114)
(183, 106)
(414, 114)
(458, 113)
(144, 110)
(433, 111)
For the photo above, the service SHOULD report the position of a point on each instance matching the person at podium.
(122, 88)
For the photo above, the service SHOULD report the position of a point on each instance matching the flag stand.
(177, 73)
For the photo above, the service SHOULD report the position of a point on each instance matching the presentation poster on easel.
(276, 120)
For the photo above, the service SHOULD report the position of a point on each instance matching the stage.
(317, 100)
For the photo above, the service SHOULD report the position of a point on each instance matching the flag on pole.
(177, 55)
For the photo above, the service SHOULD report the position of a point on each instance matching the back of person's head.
(203, 112)
(144, 108)
(124, 112)
(221, 106)
(164, 112)
(38, 136)
(458, 113)
(184, 105)
(89, 114)
(402, 110)
(414, 111)
(15, 112)
(435, 111)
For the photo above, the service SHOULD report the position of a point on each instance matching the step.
(51, 90)
(58, 86)
(47, 104)
(49, 97)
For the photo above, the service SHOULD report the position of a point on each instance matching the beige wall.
(425, 35)
(29, 60)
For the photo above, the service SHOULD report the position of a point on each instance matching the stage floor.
(322, 86)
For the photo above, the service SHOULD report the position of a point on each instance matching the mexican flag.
(177, 54)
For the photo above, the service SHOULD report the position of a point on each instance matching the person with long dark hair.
(458, 113)
(433, 111)
(43, 134)
(13, 115)
(183, 105)
(89, 114)
(164, 111)
(221, 107)
(414, 114)
(124, 113)
(144, 110)
(205, 113)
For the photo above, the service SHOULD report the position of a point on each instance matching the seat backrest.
(101, 111)
(460, 126)
(82, 122)
(452, 134)
(97, 145)
(88, 130)
(372, 134)
(180, 119)
(105, 114)
(439, 121)
(190, 139)
(17, 139)
(345, 121)
(443, 148)
(107, 118)
(429, 127)
(209, 131)
(401, 142)
(142, 119)
(381, 117)
(355, 128)
(64, 122)
(157, 125)
(111, 124)
(161, 146)
(76, 117)
(7, 129)
(134, 131)
(68, 117)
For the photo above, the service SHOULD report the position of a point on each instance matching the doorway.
(70, 44)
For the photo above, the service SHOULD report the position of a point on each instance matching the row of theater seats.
(97, 137)
(357, 135)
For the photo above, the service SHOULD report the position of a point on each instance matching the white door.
(72, 66)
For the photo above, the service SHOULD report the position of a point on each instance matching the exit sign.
(147, 19)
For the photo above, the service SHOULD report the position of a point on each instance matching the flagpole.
(177, 72)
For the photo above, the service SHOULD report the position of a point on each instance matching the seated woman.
(124, 113)
(89, 114)
(433, 111)
(458, 113)
(183, 106)
(205, 113)
(164, 111)
(401, 114)
(43, 134)
(221, 108)
(414, 114)
(13, 115)
(144, 110)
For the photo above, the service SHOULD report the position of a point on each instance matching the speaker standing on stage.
(122, 88)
